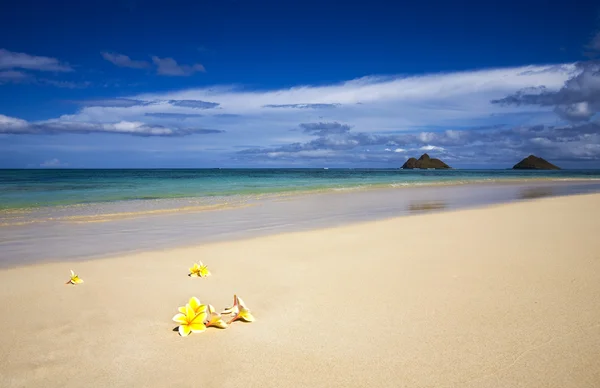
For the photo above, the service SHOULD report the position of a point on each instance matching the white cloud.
(578, 100)
(431, 148)
(15, 126)
(499, 145)
(369, 104)
(168, 66)
(124, 61)
(164, 66)
(14, 60)
(452, 93)
(445, 113)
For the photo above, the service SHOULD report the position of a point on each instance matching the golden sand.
(506, 296)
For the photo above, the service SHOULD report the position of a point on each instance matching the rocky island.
(424, 162)
(533, 162)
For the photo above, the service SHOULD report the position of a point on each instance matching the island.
(533, 162)
(425, 162)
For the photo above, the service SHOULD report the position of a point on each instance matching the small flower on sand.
(74, 279)
(199, 270)
(195, 304)
(239, 311)
(215, 319)
(190, 322)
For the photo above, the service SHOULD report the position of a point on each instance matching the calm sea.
(42, 188)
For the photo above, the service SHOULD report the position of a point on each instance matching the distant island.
(424, 162)
(532, 162)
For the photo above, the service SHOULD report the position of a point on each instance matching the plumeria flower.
(74, 279)
(199, 270)
(239, 311)
(190, 321)
(195, 304)
(215, 319)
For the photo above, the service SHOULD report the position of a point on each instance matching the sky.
(204, 84)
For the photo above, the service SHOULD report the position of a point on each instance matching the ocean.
(23, 189)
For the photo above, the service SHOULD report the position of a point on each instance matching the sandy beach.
(502, 296)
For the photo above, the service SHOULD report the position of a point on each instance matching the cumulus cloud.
(170, 67)
(15, 126)
(570, 142)
(392, 117)
(124, 61)
(14, 60)
(578, 99)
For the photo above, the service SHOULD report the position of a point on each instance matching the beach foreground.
(505, 296)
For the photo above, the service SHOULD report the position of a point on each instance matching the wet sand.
(104, 230)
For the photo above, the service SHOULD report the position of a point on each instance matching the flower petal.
(184, 330)
(200, 317)
(180, 318)
(232, 309)
(203, 271)
(194, 303)
(240, 302)
(189, 313)
(216, 321)
(197, 327)
(245, 315)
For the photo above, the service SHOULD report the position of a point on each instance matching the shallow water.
(23, 189)
(71, 236)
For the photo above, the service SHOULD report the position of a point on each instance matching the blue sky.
(140, 83)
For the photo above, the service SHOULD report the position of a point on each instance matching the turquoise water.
(42, 188)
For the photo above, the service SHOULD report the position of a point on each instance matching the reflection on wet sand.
(425, 206)
(142, 228)
(535, 192)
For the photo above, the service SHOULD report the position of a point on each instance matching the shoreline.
(165, 206)
(498, 296)
(56, 240)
